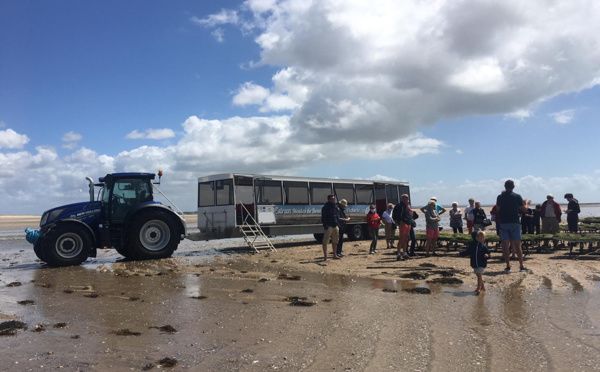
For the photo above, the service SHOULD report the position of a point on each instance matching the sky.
(454, 96)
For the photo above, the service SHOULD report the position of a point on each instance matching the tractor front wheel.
(151, 235)
(65, 245)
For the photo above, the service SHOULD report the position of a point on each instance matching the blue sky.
(453, 96)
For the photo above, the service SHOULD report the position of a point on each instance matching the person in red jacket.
(373, 221)
(550, 216)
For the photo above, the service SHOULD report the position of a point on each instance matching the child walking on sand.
(479, 253)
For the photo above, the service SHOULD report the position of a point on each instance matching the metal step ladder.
(253, 234)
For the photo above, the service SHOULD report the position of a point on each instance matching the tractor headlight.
(44, 219)
(50, 216)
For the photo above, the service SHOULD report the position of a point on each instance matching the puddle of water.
(577, 287)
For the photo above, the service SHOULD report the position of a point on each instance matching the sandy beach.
(215, 306)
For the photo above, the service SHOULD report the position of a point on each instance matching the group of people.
(510, 210)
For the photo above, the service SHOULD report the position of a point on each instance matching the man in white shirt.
(469, 215)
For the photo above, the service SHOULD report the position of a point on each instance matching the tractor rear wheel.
(65, 245)
(151, 235)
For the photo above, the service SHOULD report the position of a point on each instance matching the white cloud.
(219, 35)
(155, 134)
(71, 140)
(9, 139)
(33, 182)
(250, 94)
(563, 117)
(225, 16)
(398, 65)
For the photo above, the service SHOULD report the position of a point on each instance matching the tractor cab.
(123, 192)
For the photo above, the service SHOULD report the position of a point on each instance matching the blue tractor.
(124, 217)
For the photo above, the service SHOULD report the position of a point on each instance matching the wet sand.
(233, 310)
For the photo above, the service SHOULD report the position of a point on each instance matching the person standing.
(389, 226)
(527, 219)
(432, 219)
(413, 238)
(537, 218)
(572, 212)
(456, 219)
(402, 214)
(438, 208)
(550, 216)
(478, 217)
(479, 253)
(330, 216)
(469, 215)
(373, 221)
(342, 219)
(509, 204)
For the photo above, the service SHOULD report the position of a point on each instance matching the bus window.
(364, 194)
(243, 190)
(344, 191)
(206, 194)
(268, 192)
(403, 190)
(295, 192)
(224, 192)
(392, 194)
(319, 192)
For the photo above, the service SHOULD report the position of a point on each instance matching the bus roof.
(224, 176)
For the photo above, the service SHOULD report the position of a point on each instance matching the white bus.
(284, 205)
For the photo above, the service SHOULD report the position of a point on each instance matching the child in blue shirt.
(479, 253)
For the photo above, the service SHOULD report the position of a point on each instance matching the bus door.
(244, 199)
(380, 198)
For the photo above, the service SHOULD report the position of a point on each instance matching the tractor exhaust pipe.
(91, 181)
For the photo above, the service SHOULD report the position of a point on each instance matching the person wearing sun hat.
(550, 215)
(438, 208)
(389, 226)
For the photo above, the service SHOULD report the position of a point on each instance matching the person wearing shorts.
(402, 214)
(509, 204)
(330, 215)
(479, 254)
(432, 219)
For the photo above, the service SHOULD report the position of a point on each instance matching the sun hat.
(391, 205)
(433, 198)
(344, 202)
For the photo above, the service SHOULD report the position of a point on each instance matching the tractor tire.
(123, 252)
(355, 232)
(319, 237)
(37, 249)
(65, 245)
(151, 235)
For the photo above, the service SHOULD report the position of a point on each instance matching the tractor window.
(127, 193)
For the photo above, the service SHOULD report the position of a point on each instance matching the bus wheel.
(356, 232)
(318, 237)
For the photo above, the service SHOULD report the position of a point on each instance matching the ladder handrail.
(255, 230)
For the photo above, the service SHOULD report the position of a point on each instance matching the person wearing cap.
(550, 216)
(509, 203)
(342, 204)
(572, 212)
(438, 208)
(389, 226)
